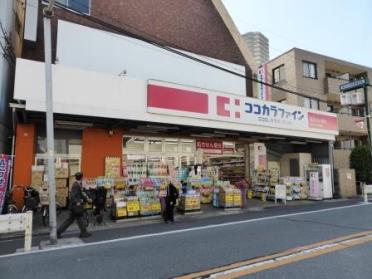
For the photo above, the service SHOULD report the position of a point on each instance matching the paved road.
(194, 245)
(350, 263)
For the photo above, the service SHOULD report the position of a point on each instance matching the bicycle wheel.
(12, 209)
(45, 217)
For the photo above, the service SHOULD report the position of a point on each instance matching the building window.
(309, 70)
(82, 6)
(278, 74)
(311, 103)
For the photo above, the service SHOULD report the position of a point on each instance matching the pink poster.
(5, 161)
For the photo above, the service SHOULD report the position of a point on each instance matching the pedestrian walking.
(170, 199)
(76, 207)
(243, 185)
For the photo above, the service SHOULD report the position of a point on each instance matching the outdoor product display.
(119, 207)
(226, 195)
(133, 205)
(189, 201)
(260, 183)
(273, 181)
(296, 188)
(203, 185)
(149, 202)
(134, 172)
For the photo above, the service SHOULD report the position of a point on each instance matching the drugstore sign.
(171, 99)
(210, 146)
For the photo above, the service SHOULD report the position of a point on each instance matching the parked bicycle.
(11, 207)
(45, 213)
(31, 200)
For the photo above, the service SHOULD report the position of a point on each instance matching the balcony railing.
(352, 125)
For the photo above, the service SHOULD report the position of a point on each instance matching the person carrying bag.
(171, 199)
(76, 207)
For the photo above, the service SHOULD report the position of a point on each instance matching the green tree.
(361, 161)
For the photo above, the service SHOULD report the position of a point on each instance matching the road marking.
(207, 227)
(290, 256)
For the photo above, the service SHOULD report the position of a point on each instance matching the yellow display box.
(133, 206)
(237, 200)
(120, 212)
(156, 207)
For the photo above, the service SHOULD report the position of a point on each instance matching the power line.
(120, 30)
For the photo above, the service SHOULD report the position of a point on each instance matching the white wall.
(80, 92)
(32, 10)
(91, 49)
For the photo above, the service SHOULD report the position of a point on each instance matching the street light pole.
(48, 14)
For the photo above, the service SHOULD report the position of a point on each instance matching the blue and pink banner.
(5, 164)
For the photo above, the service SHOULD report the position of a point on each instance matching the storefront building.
(138, 131)
(134, 121)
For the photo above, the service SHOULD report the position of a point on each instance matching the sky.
(338, 28)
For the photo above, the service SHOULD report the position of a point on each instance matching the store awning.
(86, 93)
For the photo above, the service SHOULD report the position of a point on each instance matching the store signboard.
(263, 90)
(210, 146)
(5, 162)
(353, 85)
(171, 99)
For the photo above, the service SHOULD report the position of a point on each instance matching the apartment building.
(317, 78)
(258, 44)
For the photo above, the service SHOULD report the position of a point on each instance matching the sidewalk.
(207, 211)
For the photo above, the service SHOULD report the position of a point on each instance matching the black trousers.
(169, 211)
(71, 218)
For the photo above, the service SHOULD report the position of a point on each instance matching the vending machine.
(319, 179)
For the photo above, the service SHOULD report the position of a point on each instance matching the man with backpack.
(171, 198)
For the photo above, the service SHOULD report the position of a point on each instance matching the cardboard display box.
(61, 172)
(62, 192)
(37, 178)
(61, 183)
(62, 201)
(112, 167)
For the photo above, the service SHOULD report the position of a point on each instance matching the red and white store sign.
(171, 99)
(210, 146)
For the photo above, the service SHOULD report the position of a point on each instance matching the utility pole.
(48, 14)
(368, 117)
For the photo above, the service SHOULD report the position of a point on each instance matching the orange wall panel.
(24, 158)
(97, 145)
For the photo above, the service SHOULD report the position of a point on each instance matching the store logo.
(225, 108)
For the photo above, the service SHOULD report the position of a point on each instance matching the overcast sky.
(337, 28)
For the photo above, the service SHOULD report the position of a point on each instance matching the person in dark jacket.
(77, 197)
(171, 198)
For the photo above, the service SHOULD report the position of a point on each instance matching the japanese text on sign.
(273, 113)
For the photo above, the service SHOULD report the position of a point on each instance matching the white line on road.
(207, 227)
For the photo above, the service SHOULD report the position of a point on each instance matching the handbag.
(78, 209)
